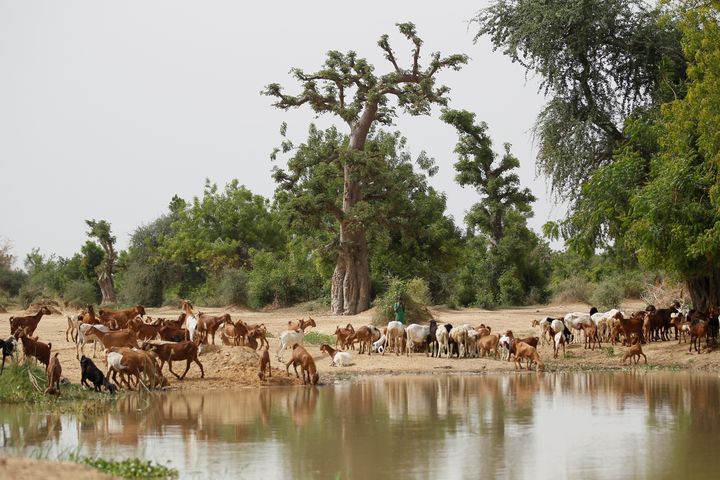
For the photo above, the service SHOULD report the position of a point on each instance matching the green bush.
(141, 284)
(29, 294)
(571, 290)
(632, 284)
(414, 293)
(80, 293)
(11, 281)
(608, 294)
(283, 278)
(511, 291)
(233, 287)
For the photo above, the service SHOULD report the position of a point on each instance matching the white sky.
(107, 109)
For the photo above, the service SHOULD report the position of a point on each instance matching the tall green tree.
(402, 217)
(218, 230)
(348, 87)
(101, 231)
(502, 200)
(675, 221)
(598, 62)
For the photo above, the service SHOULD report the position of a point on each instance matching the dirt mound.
(51, 304)
(242, 364)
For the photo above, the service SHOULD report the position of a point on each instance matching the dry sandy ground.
(228, 367)
(18, 467)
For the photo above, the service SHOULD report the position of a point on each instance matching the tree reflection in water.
(635, 424)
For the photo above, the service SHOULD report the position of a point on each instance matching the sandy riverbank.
(231, 367)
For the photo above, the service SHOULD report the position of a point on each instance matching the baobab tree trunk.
(351, 279)
(350, 293)
(107, 288)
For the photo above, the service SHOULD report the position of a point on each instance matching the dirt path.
(228, 367)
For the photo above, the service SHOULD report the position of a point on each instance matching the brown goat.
(54, 370)
(167, 352)
(363, 335)
(265, 364)
(28, 322)
(529, 353)
(142, 330)
(119, 338)
(633, 326)
(134, 363)
(489, 344)
(591, 337)
(301, 357)
(301, 324)
(634, 352)
(34, 348)
(210, 324)
(171, 333)
(342, 334)
(121, 317)
(697, 331)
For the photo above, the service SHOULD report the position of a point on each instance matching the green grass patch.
(129, 468)
(26, 383)
(609, 351)
(315, 338)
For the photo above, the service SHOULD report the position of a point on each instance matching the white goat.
(84, 337)
(395, 333)
(600, 319)
(191, 322)
(504, 345)
(443, 338)
(416, 334)
(379, 344)
(473, 336)
(459, 334)
(574, 319)
(288, 338)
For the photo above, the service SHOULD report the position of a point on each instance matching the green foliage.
(496, 182)
(131, 468)
(572, 289)
(12, 280)
(607, 295)
(144, 273)
(220, 229)
(599, 61)
(414, 293)
(346, 85)
(284, 277)
(29, 293)
(25, 383)
(315, 338)
(233, 287)
(80, 293)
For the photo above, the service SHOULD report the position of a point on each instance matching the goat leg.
(171, 370)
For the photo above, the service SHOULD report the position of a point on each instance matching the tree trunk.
(351, 279)
(107, 288)
(350, 292)
(705, 291)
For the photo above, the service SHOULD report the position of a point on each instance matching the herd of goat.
(137, 347)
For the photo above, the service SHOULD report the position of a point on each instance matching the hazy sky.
(108, 109)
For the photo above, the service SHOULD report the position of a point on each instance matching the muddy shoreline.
(229, 367)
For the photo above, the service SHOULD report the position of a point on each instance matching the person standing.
(399, 309)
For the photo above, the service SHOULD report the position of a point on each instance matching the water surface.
(594, 425)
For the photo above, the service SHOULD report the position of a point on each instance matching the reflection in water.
(510, 426)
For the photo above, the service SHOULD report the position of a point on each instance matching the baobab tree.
(348, 87)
